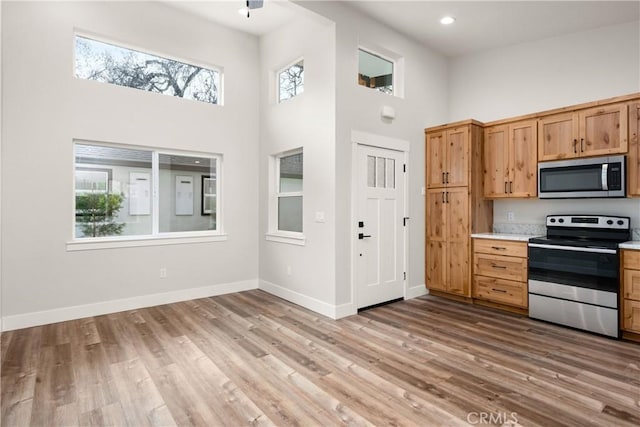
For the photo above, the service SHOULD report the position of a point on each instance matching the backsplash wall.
(529, 215)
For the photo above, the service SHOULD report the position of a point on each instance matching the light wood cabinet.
(631, 291)
(596, 131)
(448, 158)
(511, 160)
(500, 272)
(633, 159)
(454, 205)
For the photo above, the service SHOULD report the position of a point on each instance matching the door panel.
(603, 130)
(458, 269)
(436, 265)
(436, 221)
(457, 211)
(436, 160)
(558, 137)
(633, 160)
(495, 161)
(380, 253)
(456, 173)
(523, 160)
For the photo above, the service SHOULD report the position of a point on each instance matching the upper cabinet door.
(558, 137)
(457, 171)
(633, 160)
(603, 130)
(495, 162)
(436, 160)
(523, 159)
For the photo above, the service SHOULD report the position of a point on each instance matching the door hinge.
(404, 221)
(404, 167)
(405, 275)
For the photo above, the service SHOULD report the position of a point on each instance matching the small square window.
(375, 72)
(291, 81)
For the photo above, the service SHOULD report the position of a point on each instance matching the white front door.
(379, 228)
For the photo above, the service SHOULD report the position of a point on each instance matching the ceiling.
(479, 25)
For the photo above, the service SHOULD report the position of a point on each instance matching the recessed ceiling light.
(447, 20)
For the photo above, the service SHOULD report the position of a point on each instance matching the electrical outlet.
(511, 216)
(424, 191)
(163, 273)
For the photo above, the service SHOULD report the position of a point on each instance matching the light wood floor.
(251, 358)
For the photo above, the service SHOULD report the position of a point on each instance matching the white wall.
(45, 108)
(308, 121)
(358, 108)
(545, 74)
(542, 75)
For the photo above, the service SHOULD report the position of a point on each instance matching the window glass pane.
(122, 205)
(380, 172)
(391, 173)
(188, 195)
(117, 65)
(291, 173)
(375, 72)
(371, 171)
(290, 213)
(291, 81)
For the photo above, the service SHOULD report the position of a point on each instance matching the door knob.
(362, 236)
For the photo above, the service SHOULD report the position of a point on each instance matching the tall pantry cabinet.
(455, 207)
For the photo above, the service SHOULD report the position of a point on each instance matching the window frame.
(277, 80)
(397, 72)
(274, 233)
(130, 46)
(156, 237)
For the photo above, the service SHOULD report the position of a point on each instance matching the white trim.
(292, 239)
(373, 140)
(305, 301)
(137, 241)
(37, 318)
(415, 291)
(344, 310)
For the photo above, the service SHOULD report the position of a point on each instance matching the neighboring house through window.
(124, 191)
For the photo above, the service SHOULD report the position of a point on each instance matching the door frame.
(384, 142)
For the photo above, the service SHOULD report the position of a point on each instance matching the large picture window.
(122, 191)
(108, 63)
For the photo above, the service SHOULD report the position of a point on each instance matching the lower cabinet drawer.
(503, 267)
(501, 291)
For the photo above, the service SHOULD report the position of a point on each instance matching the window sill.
(297, 239)
(138, 241)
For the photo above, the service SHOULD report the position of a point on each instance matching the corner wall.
(358, 108)
(45, 108)
(301, 274)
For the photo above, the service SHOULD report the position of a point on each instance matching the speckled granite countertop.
(505, 236)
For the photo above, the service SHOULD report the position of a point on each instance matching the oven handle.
(573, 248)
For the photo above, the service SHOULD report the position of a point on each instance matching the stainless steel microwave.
(582, 178)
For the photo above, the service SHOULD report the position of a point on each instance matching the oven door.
(594, 268)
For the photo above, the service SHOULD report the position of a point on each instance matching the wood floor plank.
(254, 359)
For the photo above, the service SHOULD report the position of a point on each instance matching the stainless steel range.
(574, 272)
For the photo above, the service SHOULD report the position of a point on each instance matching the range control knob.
(610, 222)
(620, 222)
(561, 220)
(552, 220)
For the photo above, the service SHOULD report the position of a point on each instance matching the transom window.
(375, 72)
(109, 63)
(122, 191)
(291, 81)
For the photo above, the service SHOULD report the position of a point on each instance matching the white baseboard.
(416, 291)
(38, 318)
(305, 301)
(345, 310)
